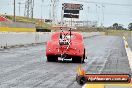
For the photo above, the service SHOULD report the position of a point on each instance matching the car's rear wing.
(63, 27)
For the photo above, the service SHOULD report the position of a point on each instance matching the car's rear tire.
(77, 59)
(52, 58)
(84, 56)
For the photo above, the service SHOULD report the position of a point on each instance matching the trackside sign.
(70, 6)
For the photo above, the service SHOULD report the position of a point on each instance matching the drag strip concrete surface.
(26, 67)
(130, 42)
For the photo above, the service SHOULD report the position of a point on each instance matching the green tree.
(115, 25)
(130, 26)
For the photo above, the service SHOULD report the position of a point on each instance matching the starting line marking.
(128, 51)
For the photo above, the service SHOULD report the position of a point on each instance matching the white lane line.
(106, 59)
(129, 52)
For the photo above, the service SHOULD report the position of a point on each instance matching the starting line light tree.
(71, 10)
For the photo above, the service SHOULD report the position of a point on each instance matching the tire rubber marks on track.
(128, 51)
(102, 66)
(106, 59)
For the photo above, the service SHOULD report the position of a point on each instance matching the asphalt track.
(26, 67)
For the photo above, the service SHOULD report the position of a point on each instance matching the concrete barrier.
(89, 34)
(17, 27)
(8, 39)
(6, 29)
(14, 39)
(129, 52)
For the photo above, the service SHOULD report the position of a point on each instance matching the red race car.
(65, 46)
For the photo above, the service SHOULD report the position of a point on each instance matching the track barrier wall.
(128, 51)
(89, 34)
(16, 39)
(17, 27)
(9, 39)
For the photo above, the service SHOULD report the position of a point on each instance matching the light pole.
(88, 11)
(103, 14)
(14, 11)
(88, 17)
(52, 11)
(19, 7)
(97, 13)
(41, 14)
(32, 9)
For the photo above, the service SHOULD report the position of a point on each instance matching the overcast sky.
(121, 13)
